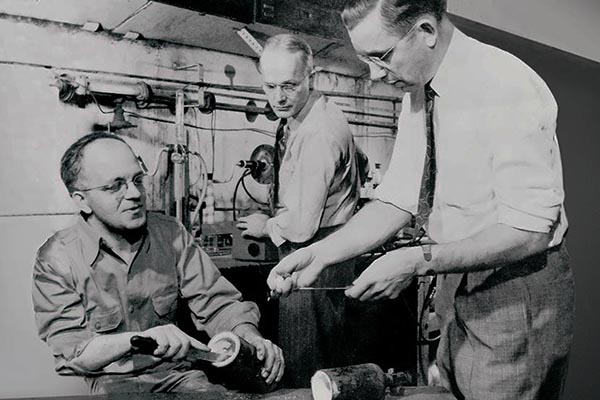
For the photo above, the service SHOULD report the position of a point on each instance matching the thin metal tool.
(323, 288)
(274, 294)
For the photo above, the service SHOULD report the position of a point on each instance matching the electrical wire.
(204, 188)
(157, 165)
(98, 104)
(202, 128)
(237, 186)
(248, 192)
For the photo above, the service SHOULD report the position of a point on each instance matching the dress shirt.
(497, 154)
(82, 289)
(318, 177)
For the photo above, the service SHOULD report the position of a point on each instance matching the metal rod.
(179, 159)
(258, 89)
(250, 89)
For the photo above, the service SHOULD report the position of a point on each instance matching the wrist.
(246, 331)
(424, 260)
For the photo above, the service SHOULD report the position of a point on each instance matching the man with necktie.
(315, 190)
(477, 165)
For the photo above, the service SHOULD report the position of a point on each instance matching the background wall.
(567, 25)
(575, 82)
(36, 128)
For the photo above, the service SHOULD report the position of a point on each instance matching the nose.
(279, 95)
(132, 191)
(376, 72)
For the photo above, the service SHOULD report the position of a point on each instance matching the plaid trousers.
(507, 332)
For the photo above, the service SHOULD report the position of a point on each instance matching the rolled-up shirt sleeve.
(306, 193)
(526, 162)
(216, 305)
(401, 183)
(59, 313)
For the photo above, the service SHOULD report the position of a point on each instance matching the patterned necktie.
(429, 169)
(279, 151)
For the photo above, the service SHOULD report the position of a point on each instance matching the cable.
(237, 186)
(155, 169)
(98, 104)
(202, 128)
(202, 194)
(426, 303)
(248, 193)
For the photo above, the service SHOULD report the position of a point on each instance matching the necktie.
(429, 168)
(279, 151)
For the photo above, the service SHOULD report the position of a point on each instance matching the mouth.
(283, 109)
(134, 209)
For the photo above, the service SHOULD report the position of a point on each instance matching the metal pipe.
(179, 158)
(250, 89)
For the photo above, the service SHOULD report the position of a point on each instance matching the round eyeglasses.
(119, 185)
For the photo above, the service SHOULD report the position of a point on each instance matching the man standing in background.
(476, 164)
(316, 189)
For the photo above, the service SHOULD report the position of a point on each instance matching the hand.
(253, 225)
(267, 351)
(173, 343)
(387, 276)
(299, 269)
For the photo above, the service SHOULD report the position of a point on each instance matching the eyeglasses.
(119, 186)
(288, 88)
(380, 61)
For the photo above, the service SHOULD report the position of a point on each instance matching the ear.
(429, 27)
(81, 202)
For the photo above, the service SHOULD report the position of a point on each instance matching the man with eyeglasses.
(476, 168)
(316, 189)
(120, 271)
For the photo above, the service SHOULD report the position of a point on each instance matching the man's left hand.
(387, 276)
(266, 351)
(254, 225)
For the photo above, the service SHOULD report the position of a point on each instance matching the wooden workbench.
(408, 393)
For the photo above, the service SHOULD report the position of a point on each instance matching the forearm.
(370, 227)
(494, 247)
(102, 351)
(246, 331)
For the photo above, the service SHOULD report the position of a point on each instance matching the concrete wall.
(36, 128)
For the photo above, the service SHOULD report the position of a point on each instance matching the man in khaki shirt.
(119, 272)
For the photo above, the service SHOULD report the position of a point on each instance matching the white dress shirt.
(497, 154)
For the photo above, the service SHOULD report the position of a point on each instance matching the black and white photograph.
(299, 199)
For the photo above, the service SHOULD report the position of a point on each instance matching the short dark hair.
(397, 15)
(70, 163)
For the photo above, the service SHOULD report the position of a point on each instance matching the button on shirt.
(497, 154)
(82, 289)
(318, 177)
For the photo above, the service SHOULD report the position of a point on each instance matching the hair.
(70, 162)
(292, 44)
(397, 15)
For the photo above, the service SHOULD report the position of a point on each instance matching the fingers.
(272, 356)
(301, 265)
(172, 342)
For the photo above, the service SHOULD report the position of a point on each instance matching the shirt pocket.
(106, 320)
(165, 304)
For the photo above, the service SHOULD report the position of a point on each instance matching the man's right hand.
(172, 342)
(299, 269)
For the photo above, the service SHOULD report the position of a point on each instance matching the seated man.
(119, 272)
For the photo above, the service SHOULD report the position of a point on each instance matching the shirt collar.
(453, 59)
(294, 122)
(91, 241)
